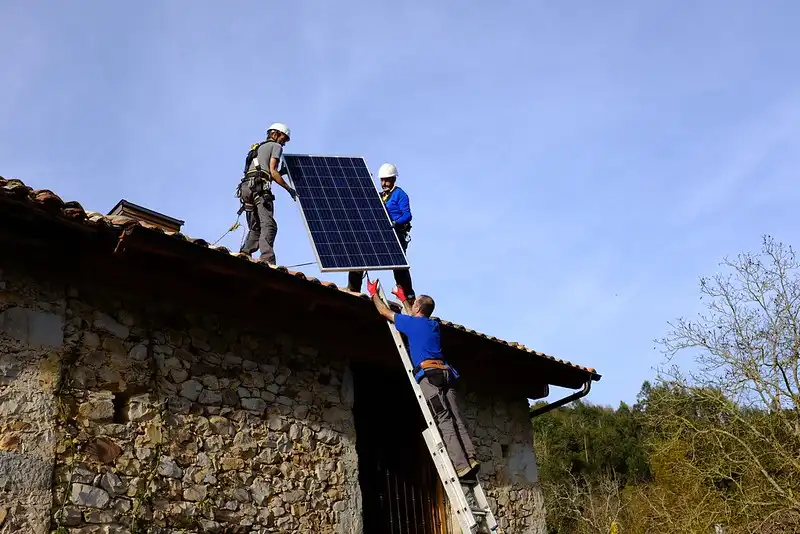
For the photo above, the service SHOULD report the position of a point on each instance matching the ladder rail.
(465, 514)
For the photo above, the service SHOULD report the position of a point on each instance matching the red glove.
(372, 287)
(399, 293)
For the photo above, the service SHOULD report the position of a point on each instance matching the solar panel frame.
(303, 215)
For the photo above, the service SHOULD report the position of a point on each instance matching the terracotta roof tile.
(49, 201)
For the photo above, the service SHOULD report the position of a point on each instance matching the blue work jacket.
(398, 206)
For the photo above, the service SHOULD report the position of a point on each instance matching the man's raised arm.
(383, 309)
(401, 295)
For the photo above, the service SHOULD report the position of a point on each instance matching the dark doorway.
(401, 493)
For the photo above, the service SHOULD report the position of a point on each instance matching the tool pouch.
(403, 232)
(251, 189)
(439, 378)
(438, 373)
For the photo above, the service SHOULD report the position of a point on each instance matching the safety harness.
(258, 180)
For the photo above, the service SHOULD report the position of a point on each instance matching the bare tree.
(739, 410)
(590, 507)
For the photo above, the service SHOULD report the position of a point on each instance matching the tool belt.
(258, 186)
(426, 365)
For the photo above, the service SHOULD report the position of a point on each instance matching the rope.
(235, 226)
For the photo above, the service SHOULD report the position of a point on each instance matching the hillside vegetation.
(712, 443)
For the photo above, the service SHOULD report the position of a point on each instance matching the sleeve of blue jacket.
(405, 207)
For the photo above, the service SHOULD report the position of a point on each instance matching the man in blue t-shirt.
(433, 373)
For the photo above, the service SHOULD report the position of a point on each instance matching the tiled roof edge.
(49, 201)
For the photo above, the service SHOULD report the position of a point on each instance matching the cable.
(300, 265)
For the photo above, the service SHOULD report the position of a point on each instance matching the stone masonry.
(120, 416)
(193, 427)
(501, 432)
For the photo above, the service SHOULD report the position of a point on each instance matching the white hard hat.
(387, 170)
(281, 128)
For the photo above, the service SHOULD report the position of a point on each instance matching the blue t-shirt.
(424, 342)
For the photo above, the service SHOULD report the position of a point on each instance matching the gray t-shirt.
(268, 150)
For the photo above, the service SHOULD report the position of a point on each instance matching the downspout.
(561, 402)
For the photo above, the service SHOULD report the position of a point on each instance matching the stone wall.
(501, 432)
(163, 421)
(31, 349)
(119, 416)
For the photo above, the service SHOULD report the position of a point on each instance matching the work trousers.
(261, 225)
(401, 276)
(442, 401)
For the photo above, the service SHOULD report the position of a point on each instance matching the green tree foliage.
(591, 441)
(587, 454)
(716, 448)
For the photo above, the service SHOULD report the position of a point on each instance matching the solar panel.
(344, 214)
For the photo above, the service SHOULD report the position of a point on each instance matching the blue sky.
(573, 167)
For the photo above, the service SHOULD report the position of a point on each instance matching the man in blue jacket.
(433, 374)
(399, 209)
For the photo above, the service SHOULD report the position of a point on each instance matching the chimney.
(134, 211)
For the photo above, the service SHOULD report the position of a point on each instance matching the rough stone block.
(20, 473)
(522, 464)
(36, 328)
(98, 408)
(99, 516)
(168, 468)
(230, 398)
(179, 375)
(140, 408)
(261, 490)
(195, 493)
(10, 369)
(85, 495)
(114, 346)
(209, 397)
(138, 353)
(107, 324)
(91, 340)
(70, 517)
(191, 390)
(254, 405)
(113, 484)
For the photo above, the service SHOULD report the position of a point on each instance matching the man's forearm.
(383, 309)
(407, 307)
(277, 178)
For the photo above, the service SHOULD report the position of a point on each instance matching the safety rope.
(235, 226)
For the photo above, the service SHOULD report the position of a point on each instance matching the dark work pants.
(442, 401)
(401, 276)
(262, 229)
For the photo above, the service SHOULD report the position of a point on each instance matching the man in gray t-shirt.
(255, 192)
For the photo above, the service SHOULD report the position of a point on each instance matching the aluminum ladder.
(472, 518)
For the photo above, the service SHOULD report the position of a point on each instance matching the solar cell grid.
(347, 224)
